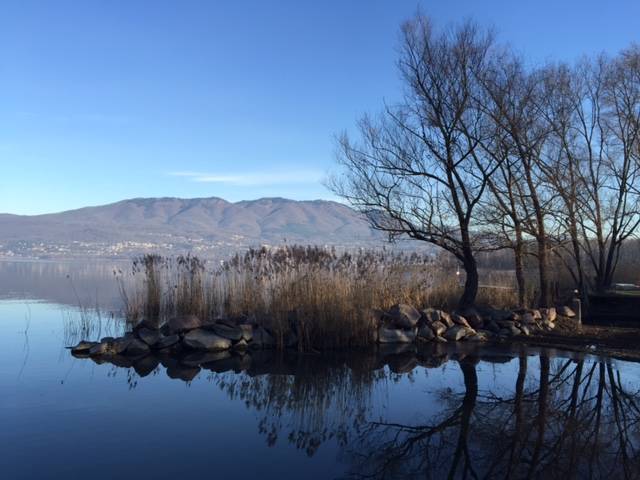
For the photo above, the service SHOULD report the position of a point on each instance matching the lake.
(464, 411)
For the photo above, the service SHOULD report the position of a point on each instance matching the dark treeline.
(486, 153)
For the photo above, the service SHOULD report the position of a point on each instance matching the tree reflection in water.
(562, 418)
(543, 416)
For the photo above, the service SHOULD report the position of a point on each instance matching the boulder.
(515, 330)
(446, 319)
(501, 315)
(231, 332)
(430, 315)
(166, 342)
(478, 337)
(404, 316)
(241, 344)
(184, 323)
(137, 347)
(460, 320)
(456, 333)
(439, 328)
(200, 339)
(425, 332)
(474, 320)
(493, 327)
(549, 314)
(565, 312)
(150, 323)
(441, 340)
(537, 315)
(390, 335)
(528, 318)
(148, 336)
(525, 330)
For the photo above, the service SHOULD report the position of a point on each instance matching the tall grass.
(324, 297)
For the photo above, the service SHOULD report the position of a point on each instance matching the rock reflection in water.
(557, 417)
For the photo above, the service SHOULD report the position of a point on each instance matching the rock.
(404, 316)
(474, 320)
(493, 327)
(83, 347)
(389, 335)
(478, 337)
(99, 348)
(537, 315)
(456, 333)
(446, 319)
(425, 332)
(488, 334)
(565, 312)
(460, 320)
(505, 332)
(439, 328)
(262, 338)
(166, 342)
(525, 330)
(233, 333)
(150, 323)
(200, 339)
(247, 331)
(506, 324)
(441, 340)
(184, 323)
(515, 330)
(148, 336)
(241, 344)
(549, 314)
(137, 347)
(430, 315)
(502, 315)
(107, 340)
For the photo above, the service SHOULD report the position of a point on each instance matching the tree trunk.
(543, 271)
(470, 292)
(518, 253)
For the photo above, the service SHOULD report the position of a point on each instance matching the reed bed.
(324, 297)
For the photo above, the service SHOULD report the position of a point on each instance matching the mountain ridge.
(187, 224)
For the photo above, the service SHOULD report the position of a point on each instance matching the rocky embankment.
(402, 324)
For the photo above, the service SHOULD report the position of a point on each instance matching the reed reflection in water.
(536, 416)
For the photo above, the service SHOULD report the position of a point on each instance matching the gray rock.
(120, 345)
(537, 315)
(137, 347)
(166, 342)
(528, 318)
(460, 320)
(525, 330)
(233, 333)
(446, 319)
(478, 337)
(441, 339)
(430, 315)
(456, 333)
(200, 339)
(439, 328)
(184, 323)
(148, 336)
(549, 314)
(241, 344)
(389, 335)
(493, 327)
(565, 312)
(425, 332)
(515, 330)
(404, 316)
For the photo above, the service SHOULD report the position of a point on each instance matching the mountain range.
(177, 224)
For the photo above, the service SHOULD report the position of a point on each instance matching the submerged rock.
(205, 340)
(137, 347)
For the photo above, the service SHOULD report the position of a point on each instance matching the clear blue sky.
(105, 100)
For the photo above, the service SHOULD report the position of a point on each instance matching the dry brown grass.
(325, 297)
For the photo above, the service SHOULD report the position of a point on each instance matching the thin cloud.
(252, 179)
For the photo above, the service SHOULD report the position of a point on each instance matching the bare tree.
(416, 170)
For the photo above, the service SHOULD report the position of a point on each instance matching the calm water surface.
(490, 412)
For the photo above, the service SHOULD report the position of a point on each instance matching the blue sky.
(105, 100)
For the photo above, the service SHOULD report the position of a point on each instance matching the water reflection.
(484, 412)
